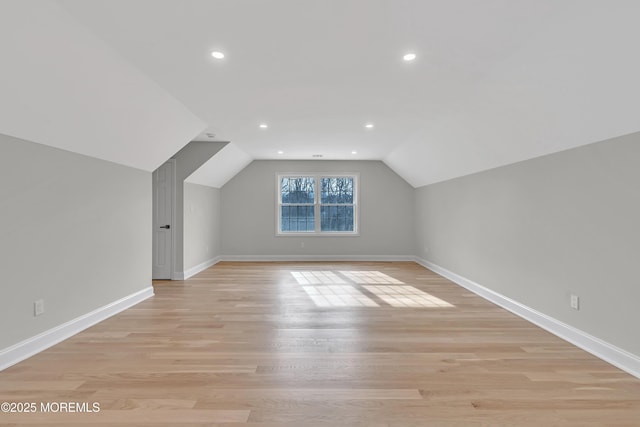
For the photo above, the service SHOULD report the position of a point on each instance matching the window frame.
(317, 177)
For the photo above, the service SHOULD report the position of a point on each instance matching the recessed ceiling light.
(354, 152)
(369, 125)
(263, 125)
(280, 152)
(409, 56)
(217, 54)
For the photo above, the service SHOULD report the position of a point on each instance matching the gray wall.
(202, 241)
(74, 230)
(249, 209)
(539, 230)
(188, 159)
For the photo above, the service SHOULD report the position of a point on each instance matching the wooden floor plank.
(247, 344)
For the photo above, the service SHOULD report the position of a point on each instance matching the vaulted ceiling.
(494, 81)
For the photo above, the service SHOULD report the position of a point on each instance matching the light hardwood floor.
(304, 344)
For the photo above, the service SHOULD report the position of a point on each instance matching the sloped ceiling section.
(61, 86)
(572, 82)
(221, 168)
(495, 81)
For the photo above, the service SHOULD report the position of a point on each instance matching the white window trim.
(317, 176)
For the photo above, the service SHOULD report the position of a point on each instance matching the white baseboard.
(608, 352)
(31, 346)
(272, 258)
(200, 267)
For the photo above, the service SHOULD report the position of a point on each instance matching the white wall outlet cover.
(575, 302)
(38, 307)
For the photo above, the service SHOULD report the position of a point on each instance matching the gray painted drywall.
(249, 209)
(188, 159)
(540, 230)
(201, 224)
(75, 231)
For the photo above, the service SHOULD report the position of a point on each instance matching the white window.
(321, 204)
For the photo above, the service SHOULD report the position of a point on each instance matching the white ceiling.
(221, 167)
(495, 81)
(62, 86)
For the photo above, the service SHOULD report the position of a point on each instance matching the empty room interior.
(299, 213)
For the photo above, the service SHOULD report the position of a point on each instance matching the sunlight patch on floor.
(317, 277)
(406, 296)
(345, 289)
(338, 296)
(370, 277)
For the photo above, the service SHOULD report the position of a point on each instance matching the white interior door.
(163, 190)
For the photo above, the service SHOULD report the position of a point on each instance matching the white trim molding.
(200, 267)
(285, 258)
(616, 356)
(31, 346)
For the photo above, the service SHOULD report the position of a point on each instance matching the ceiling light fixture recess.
(354, 152)
(263, 125)
(280, 152)
(409, 56)
(369, 125)
(217, 54)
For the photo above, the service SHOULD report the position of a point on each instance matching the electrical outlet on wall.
(38, 307)
(575, 302)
